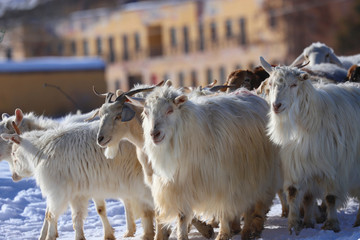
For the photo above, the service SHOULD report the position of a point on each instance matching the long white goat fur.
(66, 162)
(218, 161)
(319, 137)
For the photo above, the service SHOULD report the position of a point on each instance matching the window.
(111, 50)
(193, 78)
(222, 74)
(181, 79)
(9, 53)
(117, 84)
(98, 46)
(125, 48)
(85, 47)
(60, 49)
(186, 39)
(213, 32)
(137, 42)
(173, 37)
(272, 19)
(73, 48)
(209, 76)
(166, 77)
(228, 27)
(201, 37)
(242, 24)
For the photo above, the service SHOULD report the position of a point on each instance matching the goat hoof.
(331, 225)
(223, 236)
(297, 225)
(309, 225)
(110, 238)
(129, 234)
(357, 223)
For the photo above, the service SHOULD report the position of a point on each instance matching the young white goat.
(70, 169)
(210, 156)
(30, 121)
(120, 120)
(320, 144)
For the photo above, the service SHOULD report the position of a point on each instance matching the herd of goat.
(210, 157)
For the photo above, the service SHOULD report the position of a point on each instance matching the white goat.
(30, 121)
(70, 168)
(320, 144)
(318, 53)
(210, 156)
(122, 120)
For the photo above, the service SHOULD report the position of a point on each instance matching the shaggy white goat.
(30, 121)
(210, 156)
(70, 168)
(320, 144)
(122, 120)
(318, 53)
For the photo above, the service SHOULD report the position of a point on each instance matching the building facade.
(191, 42)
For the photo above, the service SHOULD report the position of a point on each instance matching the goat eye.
(146, 112)
(169, 111)
(118, 117)
(293, 85)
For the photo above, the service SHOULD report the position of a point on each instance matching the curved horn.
(334, 59)
(267, 67)
(211, 84)
(302, 65)
(122, 97)
(220, 87)
(298, 59)
(107, 96)
(16, 128)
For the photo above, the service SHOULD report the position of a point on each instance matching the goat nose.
(100, 138)
(276, 106)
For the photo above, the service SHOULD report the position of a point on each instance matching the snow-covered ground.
(22, 211)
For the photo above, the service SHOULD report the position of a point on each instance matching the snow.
(22, 210)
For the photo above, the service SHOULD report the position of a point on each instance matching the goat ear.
(127, 113)
(18, 116)
(178, 101)
(303, 76)
(5, 116)
(299, 59)
(334, 59)
(11, 137)
(267, 67)
(168, 83)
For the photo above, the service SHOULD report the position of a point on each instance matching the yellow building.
(189, 42)
(51, 86)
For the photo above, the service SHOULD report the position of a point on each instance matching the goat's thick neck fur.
(317, 135)
(212, 145)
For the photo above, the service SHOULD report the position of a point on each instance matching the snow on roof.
(52, 64)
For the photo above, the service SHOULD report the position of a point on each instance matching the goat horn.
(122, 97)
(107, 96)
(302, 65)
(220, 87)
(92, 117)
(211, 84)
(16, 128)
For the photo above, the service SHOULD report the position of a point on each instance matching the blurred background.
(53, 51)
